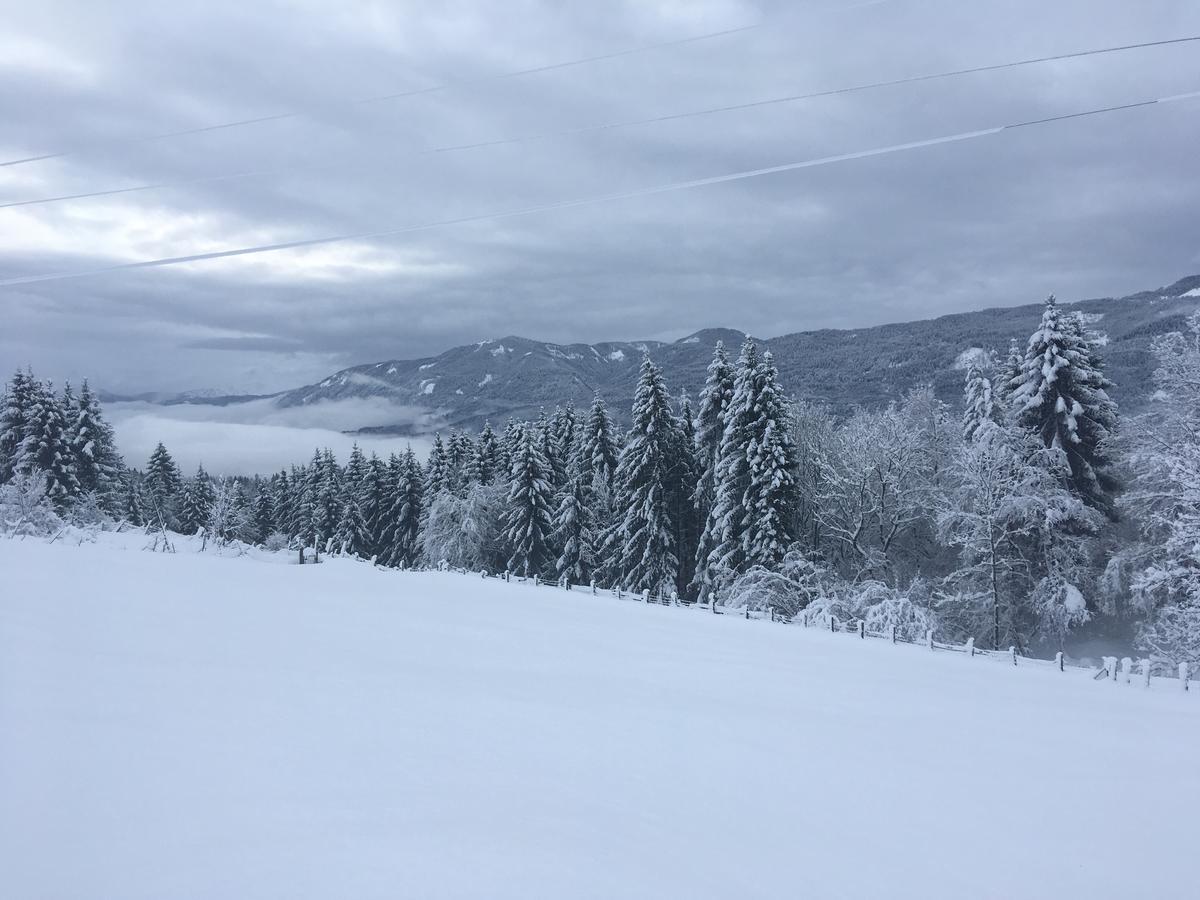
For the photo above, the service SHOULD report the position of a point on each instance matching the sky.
(1096, 206)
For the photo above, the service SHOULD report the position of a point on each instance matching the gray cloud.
(1090, 207)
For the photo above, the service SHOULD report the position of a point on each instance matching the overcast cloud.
(1096, 206)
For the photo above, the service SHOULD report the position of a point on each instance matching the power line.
(380, 98)
(625, 123)
(594, 200)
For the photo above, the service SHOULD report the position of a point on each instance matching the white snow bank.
(189, 726)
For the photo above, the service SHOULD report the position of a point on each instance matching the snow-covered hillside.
(192, 726)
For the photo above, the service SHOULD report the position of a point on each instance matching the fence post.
(929, 638)
(535, 581)
(1012, 651)
(674, 598)
(862, 629)
(301, 556)
(747, 612)
(592, 585)
(1145, 664)
(1127, 669)
(619, 592)
(1058, 661)
(483, 574)
(645, 595)
(712, 602)
(771, 610)
(893, 634)
(1183, 675)
(970, 646)
(832, 622)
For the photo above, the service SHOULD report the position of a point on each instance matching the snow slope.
(190, 726)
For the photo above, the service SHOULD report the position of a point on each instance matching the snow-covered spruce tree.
(409, 499)
(97, 463)
(575, 533)
(161, 486)
(1021, 538)
(639, 547)
(547, 437)
(527, 519)
(753, 517)
(133, 506)
(325, 478)
(566, 433)
(509, 443)
(1061, 395)
(981, 409)
(436, 474)
(195, 502)
(771, 498)
(46, 445)
(14, 415)
(352, 535)
(376, 499)
(486, 463)
(1008, 377)
(597, 450)
(708, 429)
(264, 524)
(283, 503)
(682, 477)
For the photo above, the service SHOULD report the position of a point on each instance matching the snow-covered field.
(191, 726)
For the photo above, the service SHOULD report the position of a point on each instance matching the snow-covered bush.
(796, 584)
(276, 541)
(25, 509)
(880, 607)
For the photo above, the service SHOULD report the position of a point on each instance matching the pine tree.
(726, 523)
(133, 507)
(566, 432)
(639, 548)
(162, 483)
(436, 468)
(46, 447)
(352, 534)
(597, 451)
(487, 462)
(195, 503)
(574, 533)
(981, 409)
(708, 430)
(527, 519)
(547, 438)
(772, 497)
(682, 481)
(1007, 378)
(97, 463)
(14, 415)
(1061, 395)
(264, 511)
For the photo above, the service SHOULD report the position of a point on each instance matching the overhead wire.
(597, 199)
(613, 125)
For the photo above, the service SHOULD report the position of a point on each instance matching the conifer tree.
(639, 548)
(574, 533)
(597, 451)
(14, 415)
(436, 468)
(264, 512)
(547, 437)
(97, 462)
(133, 509)
(46, 447)
(527, 519)
(1061, 395)
(487, 460)
(162, 480)
(726, 523)
(195, 502)
(772, 496)
(981, 408)
(682, 478)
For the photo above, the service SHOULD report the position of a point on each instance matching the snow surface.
(1194, 292)
(487, 379)
(617, 355)
(189, 726)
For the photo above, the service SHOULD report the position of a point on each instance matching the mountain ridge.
(843, 368)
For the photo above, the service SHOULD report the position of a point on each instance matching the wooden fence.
(1113, 669)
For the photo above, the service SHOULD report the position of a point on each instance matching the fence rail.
(1117, 670)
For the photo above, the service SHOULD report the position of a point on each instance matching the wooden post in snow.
(1145, 664)
(929, 638)
(1058, 661)
(970, 646)
(862, 629)
(1183, 675)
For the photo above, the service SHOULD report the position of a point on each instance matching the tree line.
(1027, 517)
